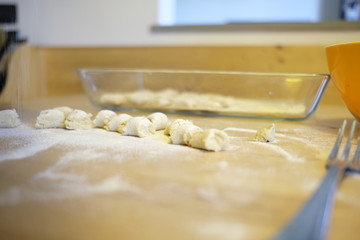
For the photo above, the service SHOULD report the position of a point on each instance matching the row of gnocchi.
(180, 131)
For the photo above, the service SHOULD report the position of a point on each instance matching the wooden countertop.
(61, 184)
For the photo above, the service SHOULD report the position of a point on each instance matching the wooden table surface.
(94, 184)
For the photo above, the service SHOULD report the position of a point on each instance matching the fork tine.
(312, 221)
(337, 143)
(346, 152)
(356, 157)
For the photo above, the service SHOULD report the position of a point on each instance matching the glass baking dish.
(288, 96)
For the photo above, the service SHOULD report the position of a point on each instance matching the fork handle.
(312, 220)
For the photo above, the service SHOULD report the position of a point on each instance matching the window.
(218, 12)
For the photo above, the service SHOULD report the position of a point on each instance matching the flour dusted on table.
(9, 118)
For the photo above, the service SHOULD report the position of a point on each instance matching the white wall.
(128, 22)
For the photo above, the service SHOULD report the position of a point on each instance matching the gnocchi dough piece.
(210, 139)
(50, 118)
(184, 101)
(159, 120)
(113, 98)
(78, 120)
(266, 134)
(168, 92)
(141, 97)
(117, 123)
(183, 133)
(171, 127)
(103, 117)
(160, 136)
(66, 110)
(139, 127)
(9, 118)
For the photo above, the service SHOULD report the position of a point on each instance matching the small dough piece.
(113, 99)
(140, 97)
(159, 120)
(66, 110)
(210, 139)
(171, 127)
(9, 118)
(50, 118)
(117, 123)
(168, 92)
(160, 136)
(78, 120)
(266, 134)
(139, 127)
(103, 117)
(163, 98)
(184, 133)
(183, 101)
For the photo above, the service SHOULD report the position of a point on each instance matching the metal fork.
(312, 221)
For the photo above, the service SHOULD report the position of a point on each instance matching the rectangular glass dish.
(288, 96)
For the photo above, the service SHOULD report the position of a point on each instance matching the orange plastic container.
(344, 65)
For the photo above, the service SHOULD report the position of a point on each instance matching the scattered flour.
(290, 157)
(17, 194)
(98, 145)
(275, 148)
(231, 129)
(27, 141)
(93, 146)
(349, 199)
(218, 229)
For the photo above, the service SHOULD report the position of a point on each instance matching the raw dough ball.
(117, 123)
(159, 120)
(171, 127)
(113, 99)
(103, 117)
(65, 110)
(139, 127)
(78, 120)
(160, 136)
(184, 101)
(210, 139)
(140, 97)
(266, 134)
(9, 118)
(183, 133)
(168, 92)
(158, 102)
(50, 118)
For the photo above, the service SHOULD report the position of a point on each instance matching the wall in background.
(128, 22)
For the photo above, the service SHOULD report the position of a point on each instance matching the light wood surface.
(60, 184)
(171, 192)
